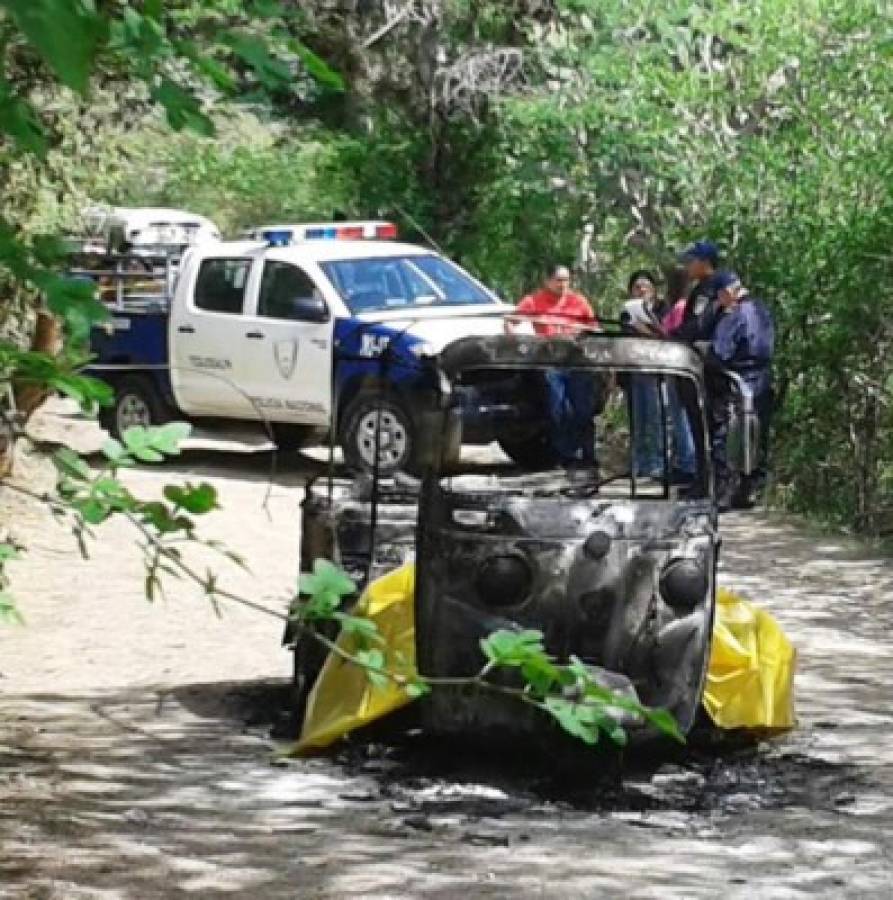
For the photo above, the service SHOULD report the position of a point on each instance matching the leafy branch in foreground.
(569, 693)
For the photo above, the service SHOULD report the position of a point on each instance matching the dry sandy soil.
(136, 758)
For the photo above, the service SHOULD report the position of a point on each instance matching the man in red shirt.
(557, 311)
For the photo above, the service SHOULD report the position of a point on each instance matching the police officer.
(701, 261)
(743, 341)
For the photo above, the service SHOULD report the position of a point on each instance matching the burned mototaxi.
(550, 525)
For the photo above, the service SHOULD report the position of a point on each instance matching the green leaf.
(540, 673)
(318, 68)
(65, 33)
(182, 108)
(9, 612)
(572, 718)
(271, 72)
(417, 689)
(326, 578)
(373, 661)
(166, 439)
(306, 584)
(147, 454)
(90, 393)
(8, 552)
(194, 499)
(114, 451)
(93, 510)
(69, 463)
(512, 648)
(207, 67)
(136, 438)
(665, 722)
(159, 516)
(113, 494)
(19, 121)
(73, 301)
(322, 605)
(365, 629)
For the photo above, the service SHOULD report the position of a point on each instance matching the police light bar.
(283, 235)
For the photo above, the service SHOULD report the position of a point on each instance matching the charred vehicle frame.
(617, 571)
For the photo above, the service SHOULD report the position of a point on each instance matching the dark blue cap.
(723, 280)
(704, 250)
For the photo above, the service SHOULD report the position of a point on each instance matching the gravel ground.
(136, 759)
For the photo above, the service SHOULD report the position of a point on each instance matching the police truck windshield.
(398, 282)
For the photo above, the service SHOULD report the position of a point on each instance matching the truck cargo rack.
(133, 283)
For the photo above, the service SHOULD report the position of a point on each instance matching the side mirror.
(309, 309)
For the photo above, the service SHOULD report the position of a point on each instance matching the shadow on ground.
(163, 792)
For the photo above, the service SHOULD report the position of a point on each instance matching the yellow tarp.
(343, 699)
(750, 680)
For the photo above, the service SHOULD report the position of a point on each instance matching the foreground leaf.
(196, 499)
(66, 34)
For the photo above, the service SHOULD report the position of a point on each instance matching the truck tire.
(137, 402)
(363, 417)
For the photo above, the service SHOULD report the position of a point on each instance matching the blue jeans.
(648, 451)
(684, 457)
(571, 402)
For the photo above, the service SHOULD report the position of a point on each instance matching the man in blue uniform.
(743, 341)
(701, 261)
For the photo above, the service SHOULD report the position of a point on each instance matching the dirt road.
(135, 758)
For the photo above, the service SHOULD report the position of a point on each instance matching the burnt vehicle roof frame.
(594, 350)
(591, 348)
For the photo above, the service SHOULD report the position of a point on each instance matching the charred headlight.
(597, 544)
(683, 583)
(504, 580)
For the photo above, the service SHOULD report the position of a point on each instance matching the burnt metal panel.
(586, 351)
(596, 598)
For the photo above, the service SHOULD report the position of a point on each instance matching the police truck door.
(207, 336)
(288, 360)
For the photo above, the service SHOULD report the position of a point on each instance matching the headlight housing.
(505, 579)
(684, 583)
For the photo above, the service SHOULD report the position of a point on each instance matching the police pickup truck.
(290, 327)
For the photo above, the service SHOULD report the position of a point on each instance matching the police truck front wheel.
(137, 402)
(371, 423)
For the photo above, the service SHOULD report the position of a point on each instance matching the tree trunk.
(47, 339)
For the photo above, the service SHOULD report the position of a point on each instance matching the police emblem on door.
(286, 353)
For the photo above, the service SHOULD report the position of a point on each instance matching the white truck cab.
(289, 328)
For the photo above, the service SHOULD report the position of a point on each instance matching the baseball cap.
(723, 280)
(705, 250)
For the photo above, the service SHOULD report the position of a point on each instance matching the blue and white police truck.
(289, 327)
